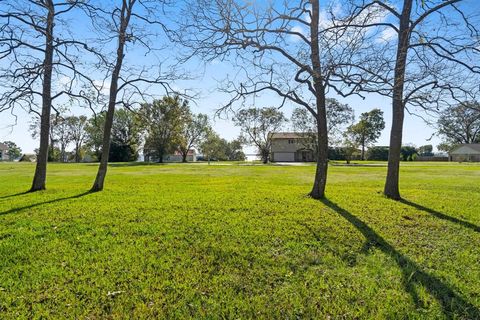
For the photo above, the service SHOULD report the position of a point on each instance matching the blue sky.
(416, 131)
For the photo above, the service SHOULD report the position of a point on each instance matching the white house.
(174, 157)
(3, 152)
(466, 152)
(291, 147)
(177, 156)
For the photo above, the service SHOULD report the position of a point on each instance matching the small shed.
(466, 153)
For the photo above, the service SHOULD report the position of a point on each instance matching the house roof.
(287, 135)
(3, 146)
(473, 146)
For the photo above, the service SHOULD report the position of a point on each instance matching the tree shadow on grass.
(442, 216)
(135, 164)
(14, 195)
(454, 306)
(18, 209)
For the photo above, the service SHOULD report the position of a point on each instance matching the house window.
(291, 141)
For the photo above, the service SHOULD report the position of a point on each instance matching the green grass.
(232, 241)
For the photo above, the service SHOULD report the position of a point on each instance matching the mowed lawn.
(240, 241)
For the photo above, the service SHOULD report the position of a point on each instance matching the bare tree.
(285, 48)
(40, 59)
(133, 24)
(339, 116)
(432, 64)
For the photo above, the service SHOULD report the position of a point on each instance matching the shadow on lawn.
(15, 210)
(442, 216)
(135, 164)
(453, 304)
(14, 195)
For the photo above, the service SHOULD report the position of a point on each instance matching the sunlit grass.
(240, 241)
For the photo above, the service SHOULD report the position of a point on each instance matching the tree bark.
(102, 169)
(39, 179)
(77, 153)
(265, 155)
(392, 182)
(160, 156)
(318, 190)
(63, 154)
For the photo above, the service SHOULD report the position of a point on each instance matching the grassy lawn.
(240, 241)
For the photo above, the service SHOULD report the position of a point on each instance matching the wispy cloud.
(387, 35)
(298, 29)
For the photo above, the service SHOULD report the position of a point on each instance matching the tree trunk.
(63, 154)
(160, 157)
(265, 155)
(391, 184)
(318, 190)
(102, 169)
(184, 157)
(363, 150)
(77, 153)
(40, 176)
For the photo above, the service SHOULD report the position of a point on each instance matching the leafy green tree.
(460, 124)
(163, 122)
(368, 129)
(445, 147)
(426, 150)
(234, 150)
(77, 134)
(94, 135)
(408, 153)
(379, 153)
(212, 146)
(125, 136)
(256, 126)
(193, 131)
(350, 147)
(14, 152)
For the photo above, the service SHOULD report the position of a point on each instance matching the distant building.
(177, 156)
(174, 157)
(28, 157)
(466, 153)
(291, 147)
(4, 152)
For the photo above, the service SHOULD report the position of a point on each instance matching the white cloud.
(103, 86)
(300, 30)
(64, 80)
(387, 35)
